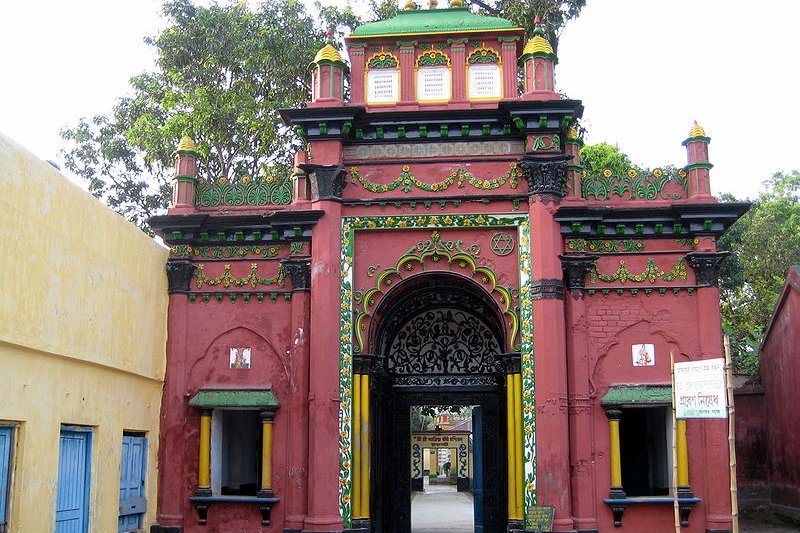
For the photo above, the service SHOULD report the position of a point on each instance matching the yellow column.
(204, 467)
(266, 454)
(518, 425)
(614, 452)
(683, 454)
(364, 470)
(356, 410)
(512, 448)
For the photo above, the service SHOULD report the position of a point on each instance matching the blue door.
(5, 473)
(74, 467)
(477, 467)
(132, 504)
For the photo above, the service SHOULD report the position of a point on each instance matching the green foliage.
(222, 71)
(765, 242)
(596, 158)
(554, 14)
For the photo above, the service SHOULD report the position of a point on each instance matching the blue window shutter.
(5, 473)
(74, 467)
(132, 503)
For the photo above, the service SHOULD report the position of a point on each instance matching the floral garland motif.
(483, 55)
(248, 191)
(407, 181)
(226, 279)
(632, 185)
(433, 58)
(651, 273)
(383, 60)
(604, 246)
(224, 252)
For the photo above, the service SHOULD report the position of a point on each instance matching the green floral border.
(346, 340)
(407, 181)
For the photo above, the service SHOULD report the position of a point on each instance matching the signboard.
(433, 83)
(484, 81)
(383, 86)
(539, 518)
(700, 389)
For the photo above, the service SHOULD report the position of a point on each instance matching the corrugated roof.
(426, 21)
(234, 398)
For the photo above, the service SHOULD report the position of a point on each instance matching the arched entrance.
(438, 339)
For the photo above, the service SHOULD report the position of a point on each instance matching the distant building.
(440, 244)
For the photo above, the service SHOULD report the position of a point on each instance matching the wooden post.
(731, 434)
(675, 506)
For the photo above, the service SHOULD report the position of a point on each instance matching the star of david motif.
(502, 244)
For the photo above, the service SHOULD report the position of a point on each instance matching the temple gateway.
(439, 243)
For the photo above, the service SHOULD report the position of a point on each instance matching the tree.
(554, 14)
(596, 158)
(223, 71)
(765, 242)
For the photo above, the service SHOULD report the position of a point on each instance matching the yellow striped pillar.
(518, 434)
(356, 410)
(683, 454)
(614, 416)
(267, 417)
(513, 487)
(204, 462)
(364, 430)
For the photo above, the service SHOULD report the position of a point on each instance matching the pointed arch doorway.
(438, 339)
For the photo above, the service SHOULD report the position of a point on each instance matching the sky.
(644, 69)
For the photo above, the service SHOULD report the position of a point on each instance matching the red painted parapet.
(698, 167)
(537, 61)
(184, 186)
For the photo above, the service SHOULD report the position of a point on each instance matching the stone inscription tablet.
(484, 81)
(383, 86)
(539, 518)
(433, 83)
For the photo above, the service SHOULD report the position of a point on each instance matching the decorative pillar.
(300, 178)
(508, 56)
(363, 430)
(706, 265)
(267, 416)
(406, 56)
(572, 147)
(698, 167)
(327, 76)
(545, 174)
(537, 61)
(518, 452)
(184, 186)
(296, 497)
(615, 456)
(683, 458)
(327, 183)
(514, 485)
(204, 458)
(581, 423)
(458, 57)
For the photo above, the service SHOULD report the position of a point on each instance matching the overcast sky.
(645, 70)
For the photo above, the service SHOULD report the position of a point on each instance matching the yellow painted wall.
(82, 336)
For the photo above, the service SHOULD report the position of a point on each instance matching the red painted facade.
(594, 269)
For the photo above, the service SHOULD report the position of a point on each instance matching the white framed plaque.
(383, 86)
(485, 82)
(433, 84)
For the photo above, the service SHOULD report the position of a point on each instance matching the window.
(645, 447)
(6, 447)
(132, 502)
(235, 452)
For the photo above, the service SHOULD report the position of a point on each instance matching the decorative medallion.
(502, 244)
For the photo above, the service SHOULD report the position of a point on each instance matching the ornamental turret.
(698, 167)
(538, 61)
(184, 186)
(327, 76)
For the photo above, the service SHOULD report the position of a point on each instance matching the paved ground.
(441, 509)
(760, 521)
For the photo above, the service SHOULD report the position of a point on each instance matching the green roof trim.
(208, 398)
(638, 395)
(426, 21)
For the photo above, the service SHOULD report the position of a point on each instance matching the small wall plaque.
(539, 518)
(240, 358)
(643, 354)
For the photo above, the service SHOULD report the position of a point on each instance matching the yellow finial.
(696, 131)
(572, 133)
(432, 4)
(187, 144)
(327, 52)
(456, 3)
(410, 5)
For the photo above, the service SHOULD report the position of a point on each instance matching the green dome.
(428, 21)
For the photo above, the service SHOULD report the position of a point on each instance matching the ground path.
(441, 509)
